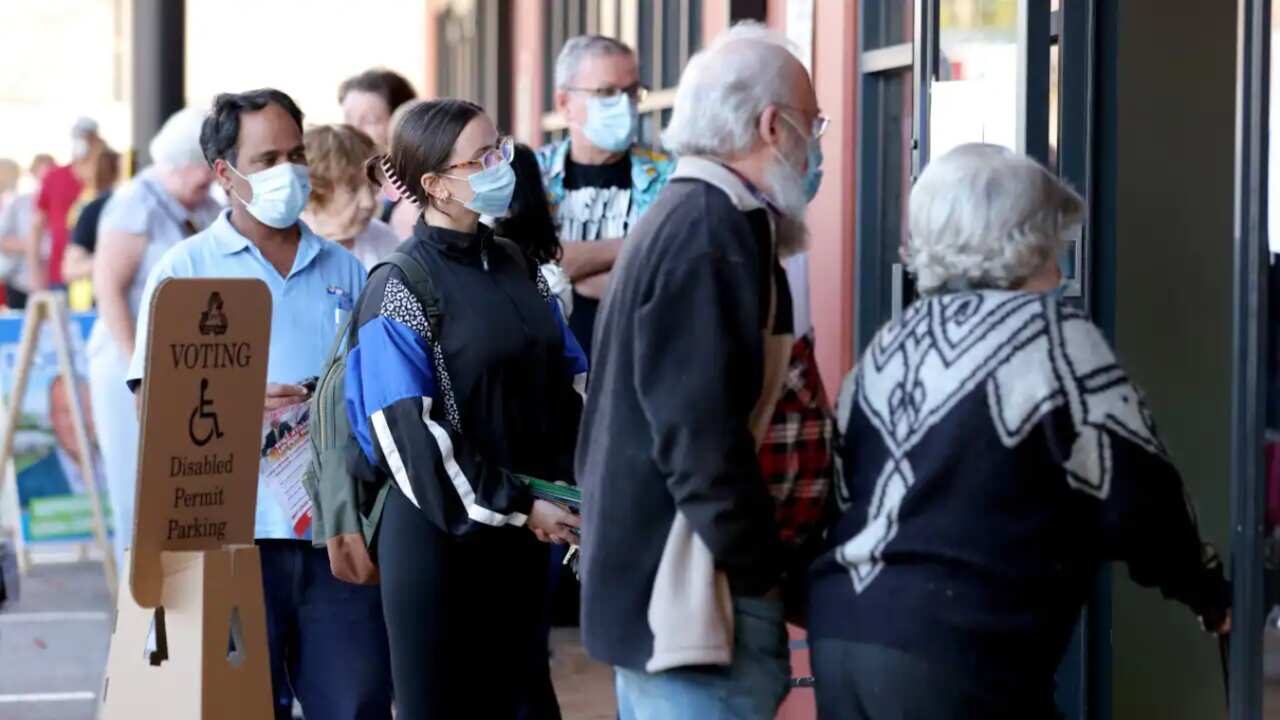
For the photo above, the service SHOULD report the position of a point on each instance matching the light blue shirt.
(304, 316)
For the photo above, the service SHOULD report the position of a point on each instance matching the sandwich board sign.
(190, 636)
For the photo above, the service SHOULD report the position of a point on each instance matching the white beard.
(787, 189)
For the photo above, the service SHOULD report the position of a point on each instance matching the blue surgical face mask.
(279, 194)
(813, 163)
(813, 174)
(493, 188)
(611, 122)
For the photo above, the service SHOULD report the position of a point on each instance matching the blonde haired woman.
(343, 203)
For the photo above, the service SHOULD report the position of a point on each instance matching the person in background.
(369, 103)
(150, 214)
(342, 202)
(16, 221)
(77, 263)
(60, 194)
(1019, 414)
(10, 172)
(682, 559)
(530, 226)
(456, 421)
(326, 638)
(599, 181)
(369, 99)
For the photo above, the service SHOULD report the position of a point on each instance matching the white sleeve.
(138, 363)
(561, 287)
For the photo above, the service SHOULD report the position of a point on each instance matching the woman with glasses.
(460, 396)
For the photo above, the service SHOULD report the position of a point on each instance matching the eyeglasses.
(818, 126)
(636, 92)
(500, 154)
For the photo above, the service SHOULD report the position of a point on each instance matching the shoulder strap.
(424, 289)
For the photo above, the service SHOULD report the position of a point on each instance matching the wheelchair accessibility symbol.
(203, 424)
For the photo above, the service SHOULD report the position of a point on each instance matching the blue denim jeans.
(749, 689)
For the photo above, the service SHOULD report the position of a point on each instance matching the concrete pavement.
(53, 644)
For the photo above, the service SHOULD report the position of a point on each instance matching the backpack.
(347, 491)
(797, 457)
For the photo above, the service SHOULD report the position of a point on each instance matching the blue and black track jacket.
(515, 370)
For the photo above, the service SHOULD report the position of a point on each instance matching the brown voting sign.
(190, 635)
(202, 398)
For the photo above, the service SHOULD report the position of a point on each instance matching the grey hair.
(724, 89)
(982, 216)
(177, 144)
(583, 46)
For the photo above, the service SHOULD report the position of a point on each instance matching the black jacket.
(995, 454)
(667, 432)
(512, 362)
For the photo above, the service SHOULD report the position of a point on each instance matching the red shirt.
(58, 195)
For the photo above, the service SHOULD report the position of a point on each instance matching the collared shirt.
(143, 207)
(591, 203)
(650, 170)
(304, 315)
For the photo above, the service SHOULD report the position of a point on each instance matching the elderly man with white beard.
(681, 557)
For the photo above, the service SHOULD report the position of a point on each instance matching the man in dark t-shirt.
(598, 180)
(77, 261)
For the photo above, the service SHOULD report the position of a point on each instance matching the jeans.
(327, 640)
(749, 689)
(861, 681)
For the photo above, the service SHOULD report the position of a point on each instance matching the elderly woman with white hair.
(994, 455)
(151, 213)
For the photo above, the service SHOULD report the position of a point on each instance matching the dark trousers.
(464, 615)
(327, 639)
(15, 298)
(858, 681)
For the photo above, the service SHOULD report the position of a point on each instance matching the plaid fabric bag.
(796, 455)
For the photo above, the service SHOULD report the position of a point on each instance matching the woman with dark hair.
(530, 226)
(369, 99)
(459, 403)
(369, 103)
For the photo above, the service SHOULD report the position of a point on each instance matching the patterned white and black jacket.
(994, 454)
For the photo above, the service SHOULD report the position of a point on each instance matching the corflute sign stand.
(190, 638)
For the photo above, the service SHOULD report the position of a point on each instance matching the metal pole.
(159, 69)
(1249, 329)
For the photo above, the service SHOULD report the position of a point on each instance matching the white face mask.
(279, 194)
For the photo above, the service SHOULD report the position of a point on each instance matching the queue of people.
(985, 457)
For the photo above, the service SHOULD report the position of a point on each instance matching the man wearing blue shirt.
(327, 639)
